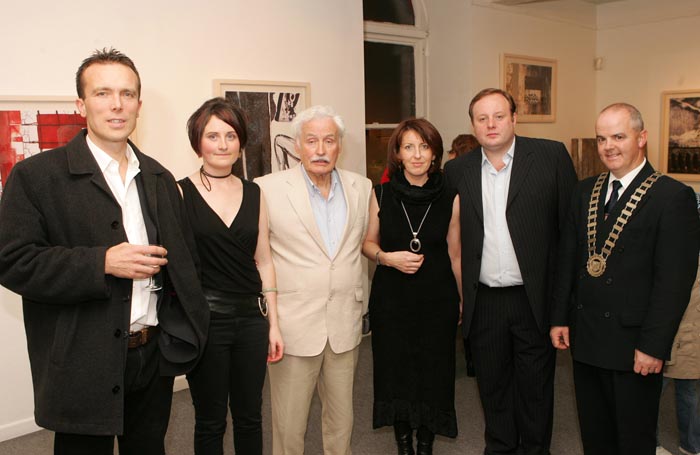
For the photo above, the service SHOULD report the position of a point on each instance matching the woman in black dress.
(413, 236)
(229, 221)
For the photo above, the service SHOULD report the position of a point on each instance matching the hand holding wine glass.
(136, 262)
(155, 282)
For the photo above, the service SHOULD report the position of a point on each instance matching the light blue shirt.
(499, 265)
(331, 214)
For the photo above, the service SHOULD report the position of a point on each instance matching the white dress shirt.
(626, 181)
(499, 265)
(143, 301)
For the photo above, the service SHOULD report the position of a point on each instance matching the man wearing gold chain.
(628, 258)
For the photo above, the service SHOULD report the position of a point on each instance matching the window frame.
(405, 35)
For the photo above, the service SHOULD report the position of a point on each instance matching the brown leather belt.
(143, 336)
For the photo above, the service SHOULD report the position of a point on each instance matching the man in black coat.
(77, 222)
(629, 255)
(514, 192)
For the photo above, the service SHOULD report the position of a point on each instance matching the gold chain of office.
(597, 261)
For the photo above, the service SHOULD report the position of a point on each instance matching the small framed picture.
(31, 124)
(680, 134)
(270, 107)
(532, 81)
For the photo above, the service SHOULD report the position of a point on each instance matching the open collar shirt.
(331, 213)
(499, 265)
(143, 301)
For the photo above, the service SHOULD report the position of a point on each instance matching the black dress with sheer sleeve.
(414, 317)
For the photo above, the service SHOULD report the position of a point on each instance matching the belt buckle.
(144, 335)
(138, 338)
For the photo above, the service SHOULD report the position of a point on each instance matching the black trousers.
(231, 375)
(514, 365)
(147, 400)
(617, 410)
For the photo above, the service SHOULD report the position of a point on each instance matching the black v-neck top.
(226, 253)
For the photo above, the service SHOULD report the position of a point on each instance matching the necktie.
(616, 185)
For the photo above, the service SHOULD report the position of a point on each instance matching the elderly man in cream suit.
(318, 220)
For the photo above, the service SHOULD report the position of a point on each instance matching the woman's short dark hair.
(426, 131)
(222, 109)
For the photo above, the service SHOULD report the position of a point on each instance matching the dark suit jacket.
(640, 299)
(541, 182)
(59, 217)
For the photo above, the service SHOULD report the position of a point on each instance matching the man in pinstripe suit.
(514, 193)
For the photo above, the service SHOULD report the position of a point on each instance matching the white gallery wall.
(179, 47)
(467, 39)
(646, 46)
(654, 50)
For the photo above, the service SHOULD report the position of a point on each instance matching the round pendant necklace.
(415, 245)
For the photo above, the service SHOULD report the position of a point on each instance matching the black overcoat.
(58, 217)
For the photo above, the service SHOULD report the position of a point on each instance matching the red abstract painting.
(26, 133)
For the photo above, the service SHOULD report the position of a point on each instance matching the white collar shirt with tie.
(626, 181)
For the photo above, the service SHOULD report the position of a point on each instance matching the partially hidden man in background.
(514, 192)
(629, 254)
(318, 219)
(77, 225)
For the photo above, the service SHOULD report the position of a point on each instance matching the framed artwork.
(680, 134)
(271, 107)
(532, 81)
(32, 124)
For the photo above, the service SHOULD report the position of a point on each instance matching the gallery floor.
(366, 441)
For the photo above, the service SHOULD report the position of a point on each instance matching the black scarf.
(431, 190)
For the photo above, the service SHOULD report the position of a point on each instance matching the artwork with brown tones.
(532, 82)
(584, 154)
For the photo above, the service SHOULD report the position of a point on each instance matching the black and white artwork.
(271, 107)
(681, 134)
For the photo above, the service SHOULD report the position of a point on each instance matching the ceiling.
(599, 14)
(522, 2)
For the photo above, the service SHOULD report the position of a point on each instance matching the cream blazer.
(320, 297)
(685, 355)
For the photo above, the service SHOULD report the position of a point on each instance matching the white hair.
(317, 112)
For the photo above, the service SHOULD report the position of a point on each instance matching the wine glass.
(154, 281)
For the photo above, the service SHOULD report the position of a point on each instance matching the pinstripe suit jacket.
(541, 183)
